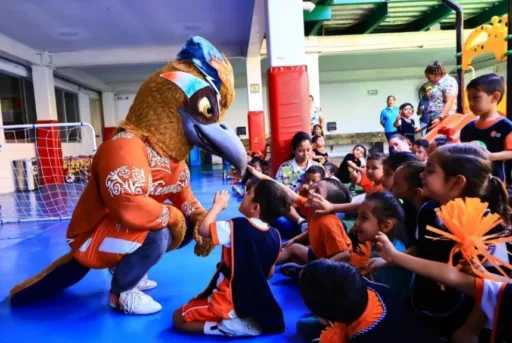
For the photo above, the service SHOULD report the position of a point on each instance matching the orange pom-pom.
(468, 225)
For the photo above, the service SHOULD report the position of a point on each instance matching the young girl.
(407, 185)
(350, 169)
(405, 124)
(452, 171)
(374, 174)
(382, 212)
(493, 298)
(391, 164)
(321, 156)
(317, 130)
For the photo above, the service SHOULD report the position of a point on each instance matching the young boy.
(238, 301)
(484, 94)
(420, 149)
(321, 156)
(356, 309)
(312, 175)
(404, 124)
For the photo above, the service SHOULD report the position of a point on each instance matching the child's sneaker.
(291, 270)
(134, 302)
(238, 327)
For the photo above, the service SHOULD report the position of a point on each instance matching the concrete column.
(44, 93)
(314, 76)
(254, 89)
(108, 101)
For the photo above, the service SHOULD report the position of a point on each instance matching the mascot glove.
(204, 246)
(178, 227)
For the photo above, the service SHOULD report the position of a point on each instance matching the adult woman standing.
(443, 97)
(388, 117)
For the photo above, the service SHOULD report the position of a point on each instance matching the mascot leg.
(61, 274)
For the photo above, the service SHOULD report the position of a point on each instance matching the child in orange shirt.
(326, 235)
(238, 300)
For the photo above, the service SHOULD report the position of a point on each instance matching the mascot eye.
(205, 107)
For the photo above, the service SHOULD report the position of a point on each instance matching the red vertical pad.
(49, 150)
(108, 132)
(257, 136)
(288, 98)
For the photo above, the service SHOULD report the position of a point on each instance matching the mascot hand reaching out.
(138, 203)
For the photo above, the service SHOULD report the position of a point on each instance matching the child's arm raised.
(328, 207)
(293, 196)
(440, 272)
(220, 202)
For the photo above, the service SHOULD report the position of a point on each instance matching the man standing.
(388, 117)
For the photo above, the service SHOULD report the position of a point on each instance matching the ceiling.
(71, 25)
(342, 17)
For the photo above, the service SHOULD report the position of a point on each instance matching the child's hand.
(257, 173)
(375, 262)
(325, 206)
(221, 199)
(385, 248)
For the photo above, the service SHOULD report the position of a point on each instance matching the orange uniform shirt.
(327, 235)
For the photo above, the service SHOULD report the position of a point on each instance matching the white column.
(109, 109)
(314, 76)
(254, 89)
(285, 32)
(44, 93)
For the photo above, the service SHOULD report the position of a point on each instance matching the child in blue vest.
(484, 94)
(238, 300)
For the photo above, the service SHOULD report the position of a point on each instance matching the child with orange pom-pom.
(454, 171)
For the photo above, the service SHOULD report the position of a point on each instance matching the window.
(67, 112)
(18, 105)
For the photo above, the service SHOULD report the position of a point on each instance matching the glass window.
(67, 112)
(18, 105)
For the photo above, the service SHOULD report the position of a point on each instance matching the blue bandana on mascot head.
(201, 115)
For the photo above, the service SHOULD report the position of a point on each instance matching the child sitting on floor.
(356, 309)
(321, 156)
(238, 301)
(311, 176)
(326, 234)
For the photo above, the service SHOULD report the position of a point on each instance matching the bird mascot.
(138, 203)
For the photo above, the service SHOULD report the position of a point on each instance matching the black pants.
(134, 266)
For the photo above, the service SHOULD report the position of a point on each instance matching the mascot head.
(184, 103)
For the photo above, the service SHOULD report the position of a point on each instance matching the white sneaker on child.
(134, 302)
(237, 327)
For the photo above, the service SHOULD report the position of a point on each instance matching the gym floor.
(81, 313)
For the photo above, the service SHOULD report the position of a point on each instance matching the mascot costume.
(122, 220)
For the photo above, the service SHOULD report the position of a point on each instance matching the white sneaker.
(143, 285)
(134, 302)
(238, 327)
(146, 284)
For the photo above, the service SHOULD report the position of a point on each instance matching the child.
(452, 171)
(484, 94)
(238, 301)
(420, 149)
(312, 175)
(382, 212)
(350, 169)
(494, 298)
(317, 130)
(391, 164)
(326, 234)
(356, 309)
(399, 143)
(436, 143)
(374, 173)
(407, 185)
(405, 124)
(331, 170)
(321, 156)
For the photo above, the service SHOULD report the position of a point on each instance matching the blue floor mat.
(82, 314)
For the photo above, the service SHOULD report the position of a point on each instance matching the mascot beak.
(209, 135)
(216, 138)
